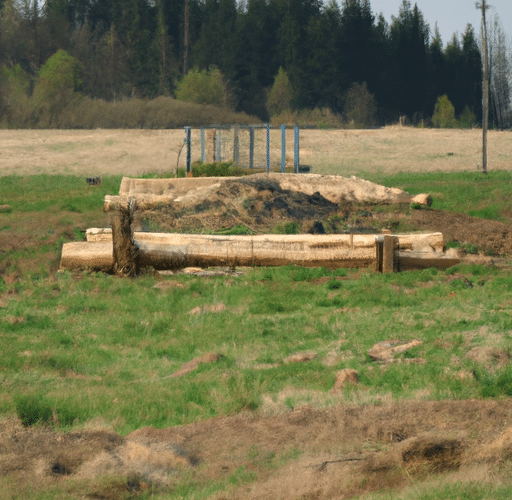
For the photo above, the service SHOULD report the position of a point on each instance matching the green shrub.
(444, 113)
(280, 96)
(57, 86)
(15, 109)
(360, 108)
(217, 169)
(467, 119)
(204, 87)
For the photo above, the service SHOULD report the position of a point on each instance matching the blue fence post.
(236, 146)
(219, 145)
(203, 149)
(251, 147)
(268, 148)
(283, 148)
(296, 150)
(189, 147)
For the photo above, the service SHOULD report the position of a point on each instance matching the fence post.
(203, 151)
(251, 147)
(219, 145)
(296, 150)
(283, 148)
(268, 148)
(236, 147)
(189, 147)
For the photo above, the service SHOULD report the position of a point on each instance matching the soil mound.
(281, 203)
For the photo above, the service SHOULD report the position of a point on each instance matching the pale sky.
(451, 15)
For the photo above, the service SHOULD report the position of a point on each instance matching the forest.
(258, 57)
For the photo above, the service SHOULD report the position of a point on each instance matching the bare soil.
(338, 452)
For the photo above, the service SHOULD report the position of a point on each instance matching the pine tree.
(472, 71)
(409, 39)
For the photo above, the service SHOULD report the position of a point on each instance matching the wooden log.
(171, 251)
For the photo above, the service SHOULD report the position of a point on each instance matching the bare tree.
(500, 75)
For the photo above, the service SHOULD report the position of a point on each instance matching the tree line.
(268, 55)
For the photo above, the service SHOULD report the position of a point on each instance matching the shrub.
(14, 96)
(467, 118)
(280, 95)
(360, 108)
(204, 87)
(218, 169)
(444, 113)
(57, 86)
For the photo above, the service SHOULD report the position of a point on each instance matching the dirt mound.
(270, 204)
(333, 453)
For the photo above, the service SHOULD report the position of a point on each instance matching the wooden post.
(124, 250)
(386, 246)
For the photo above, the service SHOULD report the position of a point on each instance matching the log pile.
(173, 251)
(120, 251)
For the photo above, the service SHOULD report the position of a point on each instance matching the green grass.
(472, 193)
(452, 491)
(81, 347)
(55, 327)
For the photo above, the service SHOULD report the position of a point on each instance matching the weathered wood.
(172, 251)
(386, 247)
(125, 253)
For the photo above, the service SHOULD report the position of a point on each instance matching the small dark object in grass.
(317, 228)
(93, 181)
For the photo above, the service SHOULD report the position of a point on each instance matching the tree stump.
(125, 252)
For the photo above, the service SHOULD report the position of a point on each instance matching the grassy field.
(82, 351)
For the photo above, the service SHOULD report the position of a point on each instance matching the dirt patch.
(334, 453)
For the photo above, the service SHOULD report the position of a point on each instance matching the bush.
(15, 107)
(467, 118)
(204, 87)
(360, 108)
(57, 86)
(280, 96)
(444, 113)
(218, 169)
(322, 118)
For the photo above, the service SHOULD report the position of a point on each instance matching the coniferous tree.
(323, 61)
(256, 60)
(473, 72)
(295, 48)
(437, 68)
(409, 39)
(356, 49)
(455, 74)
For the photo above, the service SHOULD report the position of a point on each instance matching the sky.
(451, 15)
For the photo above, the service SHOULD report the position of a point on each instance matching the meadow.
(95, 352)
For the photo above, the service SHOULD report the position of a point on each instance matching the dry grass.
(344, 152)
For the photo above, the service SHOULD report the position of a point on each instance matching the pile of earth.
(262, 205)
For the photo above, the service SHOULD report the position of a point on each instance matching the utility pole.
(485, 86)
(186, 38)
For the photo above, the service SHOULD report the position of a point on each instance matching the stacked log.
(171, 251)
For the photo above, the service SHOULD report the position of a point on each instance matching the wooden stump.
(124, 249)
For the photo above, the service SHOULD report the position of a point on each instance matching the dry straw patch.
(344, 152)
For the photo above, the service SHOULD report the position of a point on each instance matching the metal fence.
(247, 146)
